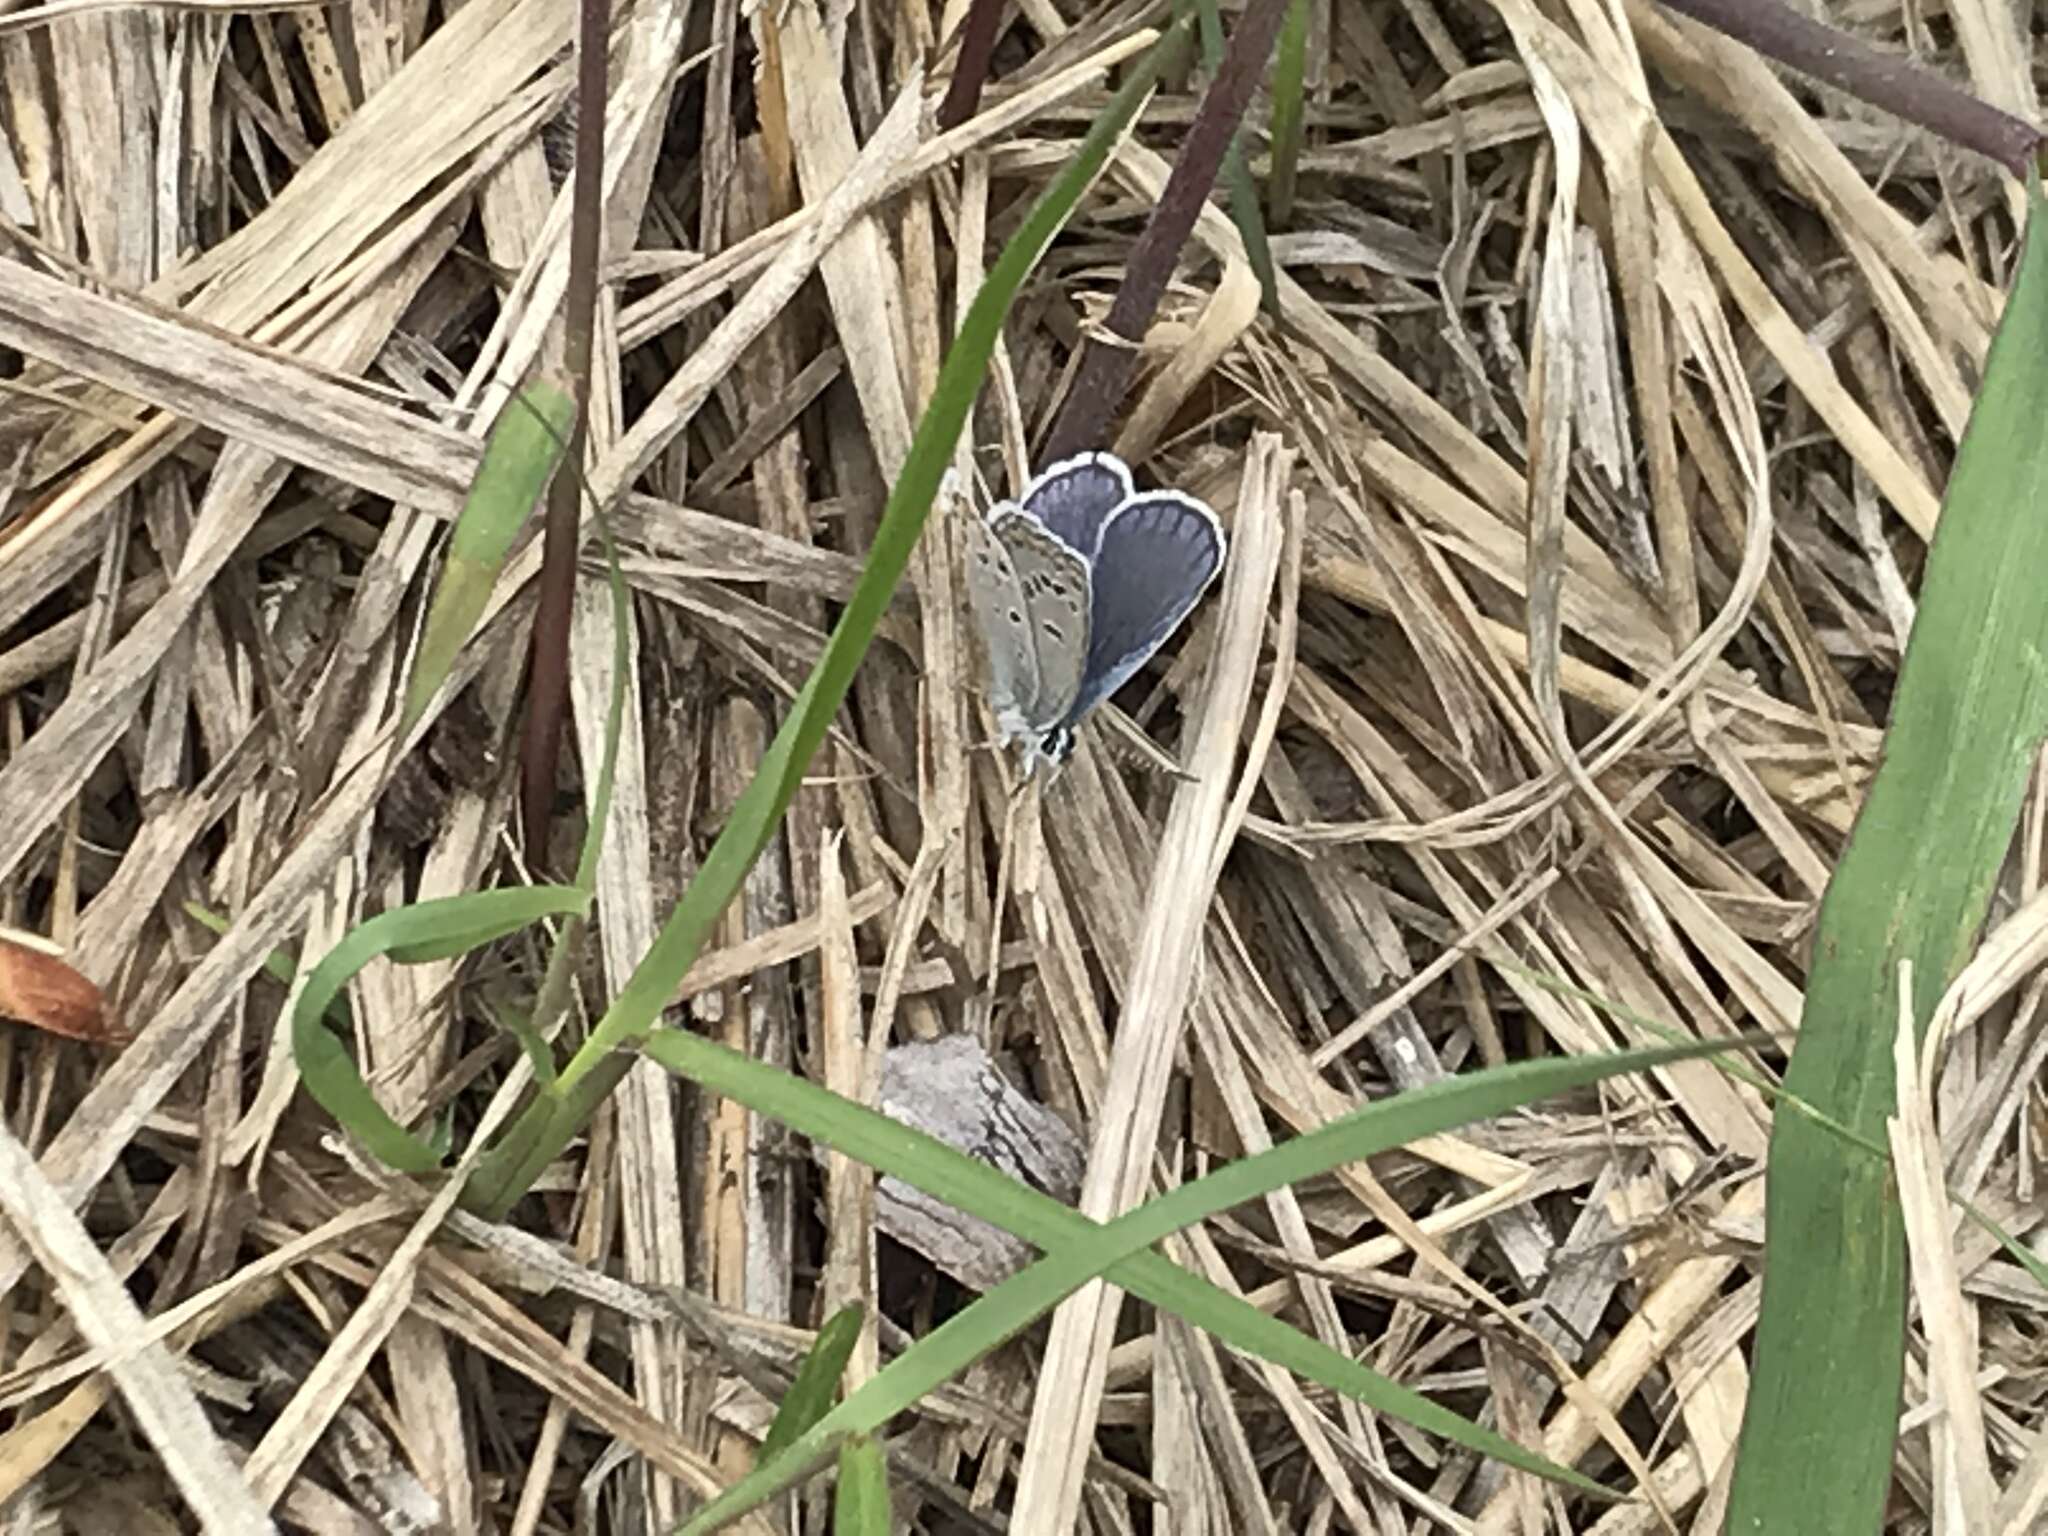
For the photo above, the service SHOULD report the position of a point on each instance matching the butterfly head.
(1055, 747)
(1043, 752)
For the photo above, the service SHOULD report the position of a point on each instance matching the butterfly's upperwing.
(1158, 554)
(997, 594)
(1076, 496)
(1055, 584)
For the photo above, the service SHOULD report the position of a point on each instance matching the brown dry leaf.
(38, 987)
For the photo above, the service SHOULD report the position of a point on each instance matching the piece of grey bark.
(952, 1089)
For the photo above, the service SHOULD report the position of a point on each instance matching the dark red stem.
(978, 34)
(547, 682)
(1107, 362)
(1885, 80)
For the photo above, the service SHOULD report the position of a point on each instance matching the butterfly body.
(1075, 586)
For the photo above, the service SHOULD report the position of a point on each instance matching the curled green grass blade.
(432, 930)
(1079, 1249)
(1913, 885)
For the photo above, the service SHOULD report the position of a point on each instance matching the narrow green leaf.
(555, 1116)
(531, 1041)
(432, 930)
(1782, 1102)
(518, 458)
(615, 705)
(816, 1388)
(1913, 885)
(279, 965)
(1290, 69)
(861, 1507)
(1079, 1249)
(1237, 172)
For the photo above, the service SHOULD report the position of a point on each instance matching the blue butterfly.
(1075, 585)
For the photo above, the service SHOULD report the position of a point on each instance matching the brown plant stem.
(1107, 361)
(978, 34)
(1885, 80)
(547, 681)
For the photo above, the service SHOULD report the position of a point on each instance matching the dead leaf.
(38, 987)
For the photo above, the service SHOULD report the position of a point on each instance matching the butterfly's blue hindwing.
(1157, 556)
(1076, 496)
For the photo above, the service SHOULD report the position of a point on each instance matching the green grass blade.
(436, 930)
(615, 707)
(432, 930)
(540, 1055)
(556, 1116)
(1237, 172)
(1290, 69)
(816, 1388)
(279, 965)
(861, 1507)
(1079, 1249)
(518, 460)
(1913, 885)
(1781, 1101)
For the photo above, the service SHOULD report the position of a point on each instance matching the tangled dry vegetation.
(266, 274)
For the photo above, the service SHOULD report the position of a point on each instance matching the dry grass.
(1603, 714)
